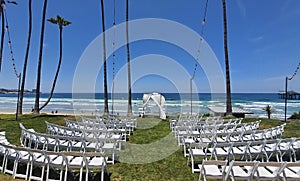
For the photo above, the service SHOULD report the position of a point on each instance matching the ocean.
(175, 103)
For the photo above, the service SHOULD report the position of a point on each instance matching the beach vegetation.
(106, 111)
(228, 86)
(61, 22)
(20, 101)
(129, 109)
(205, 115)
(36, 109)
(296, 115)
(269, 110)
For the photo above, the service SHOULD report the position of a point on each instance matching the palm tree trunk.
(20, 105)
(39, 68)
(129, 110)
(2, 33)
(228, 89)
(57, 70)
(106, 111)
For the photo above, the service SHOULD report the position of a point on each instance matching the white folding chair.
(291, 171)
(214, 169)
(74, 160)
(95, 160)
(286, 148)
(241, 170)
(269, 170)
(9, 163)
(221, 150)
(23, 157)
(256, 150)
(55, 162)
(271, 148)
(186, 145)
(2, 157)
(38, 162)
(109, 148)
(198, 150)
(240, 149)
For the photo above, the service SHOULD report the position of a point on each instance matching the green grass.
(150, 130)
(13, 130)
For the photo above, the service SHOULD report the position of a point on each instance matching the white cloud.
(242, 7)
(256, 39)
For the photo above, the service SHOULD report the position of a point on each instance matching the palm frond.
(60, 21)
(52, 20)
(13, 2)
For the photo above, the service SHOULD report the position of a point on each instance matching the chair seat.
(240, 172)
(96, 161)
(212, 170)
(290, 174)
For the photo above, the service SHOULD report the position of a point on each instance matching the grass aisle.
(173, 167)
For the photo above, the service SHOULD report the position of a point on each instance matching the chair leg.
(15, 169)
(102, 173)
(80, 174)
(66, 173)
(87, 174)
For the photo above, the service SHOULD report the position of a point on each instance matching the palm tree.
(228, 89)
(39, 67)
(106, 112)
(129, 110)
(269, 110)
(20, 105)
(61, 23)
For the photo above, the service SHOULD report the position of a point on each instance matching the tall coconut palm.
(61, 23)
(106, 111)
(39, 67)
(129, 110)
(20, 104)
(228, 89)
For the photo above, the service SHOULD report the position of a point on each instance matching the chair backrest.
(274, 168)
(251, 169)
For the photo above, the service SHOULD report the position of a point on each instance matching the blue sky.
(263, 36)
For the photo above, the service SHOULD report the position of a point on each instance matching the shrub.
(296, 115)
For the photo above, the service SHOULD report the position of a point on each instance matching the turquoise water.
(175, 103)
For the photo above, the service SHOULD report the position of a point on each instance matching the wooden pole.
(285, 100)
(191, 95)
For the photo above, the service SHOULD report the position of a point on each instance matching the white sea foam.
(172, 105)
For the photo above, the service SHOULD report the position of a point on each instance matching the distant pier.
(291, 95)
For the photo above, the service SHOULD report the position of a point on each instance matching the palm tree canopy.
(60, 21)
(13, 2)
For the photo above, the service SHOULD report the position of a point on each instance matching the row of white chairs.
(182, 132)
(131, 123)
(237, 136)
(207, 121)
(75, 132)
(100, 127)
(203, 121)
(32, 139)
(242, 170)
(267, 150)
(13, 158)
